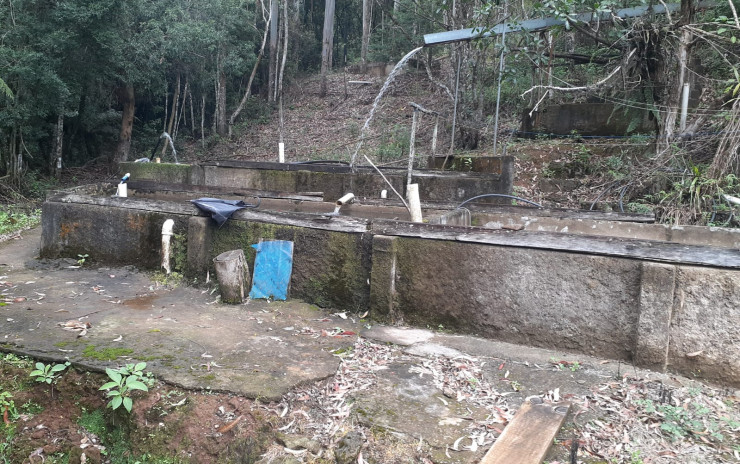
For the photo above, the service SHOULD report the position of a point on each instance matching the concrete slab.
(258, 349)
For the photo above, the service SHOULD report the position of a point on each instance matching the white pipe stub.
(167, 233)
(346, 199)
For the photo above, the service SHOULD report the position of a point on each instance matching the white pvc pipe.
(281, 152)
(384, 194)
(122, 190)
(412, 193)
(684, 106)
(346, 199)
(167, 233)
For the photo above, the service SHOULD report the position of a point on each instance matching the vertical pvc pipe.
(412, 145)
(684, 106)
(281, 152)
(167, 232)
(412, 193)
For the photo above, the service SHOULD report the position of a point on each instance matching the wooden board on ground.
(529, 435)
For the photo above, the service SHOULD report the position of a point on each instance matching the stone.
(349, 448)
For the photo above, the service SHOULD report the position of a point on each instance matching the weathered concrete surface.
(704, 336)
(658, 285)
(259, 349)
(689, 235)
(586, 119)
(520, 295)
(333, 180)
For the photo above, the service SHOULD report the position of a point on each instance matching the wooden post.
(233, 276)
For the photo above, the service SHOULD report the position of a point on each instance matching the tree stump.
(233, 276)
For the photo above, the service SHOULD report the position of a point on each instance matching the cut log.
(529, 435)
(233, 275)
(360, 82)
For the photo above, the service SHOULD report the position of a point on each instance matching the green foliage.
(124, 382)
(48, 373)
(15, 219)
(696, 198)
(81, 259)
(394, 144)
(686, 420)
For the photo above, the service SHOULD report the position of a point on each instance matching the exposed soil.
(166, 424)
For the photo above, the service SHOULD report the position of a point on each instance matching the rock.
(38, 434)
(92, 455)
(52, 449)
(299, 443)
(349, 448)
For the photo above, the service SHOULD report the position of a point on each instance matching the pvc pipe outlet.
(384, 194)
(412, 192)
(122, 190)
(281, 152)
(346, 199)
(167, 233)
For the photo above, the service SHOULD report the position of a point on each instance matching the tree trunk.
(126, 97)
(248, 90)
(366, 16)
(55, 160)
(222, 128)
(282, 67)
(327, 44)
(173, 113)
(672, 103)
(274, 33)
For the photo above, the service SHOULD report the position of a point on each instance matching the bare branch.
(576, 89)
(734, 13)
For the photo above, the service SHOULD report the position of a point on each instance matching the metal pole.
(498, 92)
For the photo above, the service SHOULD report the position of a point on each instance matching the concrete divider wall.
(334, 181)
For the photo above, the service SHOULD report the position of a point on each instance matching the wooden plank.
(360, 82)
(529, 435)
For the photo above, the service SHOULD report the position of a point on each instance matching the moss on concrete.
(163, 172)
(105, 354)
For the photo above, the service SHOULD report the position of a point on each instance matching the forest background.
(86, 83)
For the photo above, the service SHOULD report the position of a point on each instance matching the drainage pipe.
(167, 233)
(346, 199)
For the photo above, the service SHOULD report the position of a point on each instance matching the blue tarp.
(272, 269)
(220, 210)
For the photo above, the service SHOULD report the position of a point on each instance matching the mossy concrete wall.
(120, 236)
(333, 181)
(661, 316)
(594, 295)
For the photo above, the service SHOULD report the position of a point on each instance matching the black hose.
(499, 195)
(344, 163)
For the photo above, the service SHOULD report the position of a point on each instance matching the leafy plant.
(124, 382)
(7, 406)
(48, 373)
(82, 259)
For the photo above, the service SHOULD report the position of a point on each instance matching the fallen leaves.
(76, 326)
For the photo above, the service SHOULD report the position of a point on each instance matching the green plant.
(82, 258)
(124, 382)
(47, 373)
(7, 406)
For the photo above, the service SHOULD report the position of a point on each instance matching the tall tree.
(327, 44)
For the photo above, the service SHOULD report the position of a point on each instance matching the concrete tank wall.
(634, 300)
